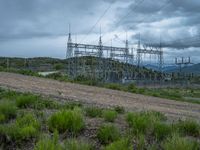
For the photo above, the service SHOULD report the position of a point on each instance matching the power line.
(132, 10)
(84, 38)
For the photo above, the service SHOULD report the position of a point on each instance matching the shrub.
(109, 115)
(122, 144)
(24, 128)
(143, 122)
(77, 145)
(119, 109)
(67, 120)
(8, 110)
(93, 112)
(188, 127)
(179, 143)
(46, 143)
(108, 133)
(132, 88)
(26, 100)
(161, 130)
(114, 86)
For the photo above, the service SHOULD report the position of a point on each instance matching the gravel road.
(98, 96)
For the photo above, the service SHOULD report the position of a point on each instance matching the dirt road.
(98, 96)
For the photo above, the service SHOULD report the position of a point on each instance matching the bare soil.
(98, 96)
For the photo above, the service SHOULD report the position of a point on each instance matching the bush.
(25, 127)
(143, 122)
(114, 86)
(132, 88)
(108, 133)
(109, 115)
(188, 127)
(119, 109)
(26, 100)
(67, 120)
(46, 143)
(77, 145)
(161, 130)
(122, 144)
(93, 112)
(178, 143)
(8, 110)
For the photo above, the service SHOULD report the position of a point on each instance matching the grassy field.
(30, 121)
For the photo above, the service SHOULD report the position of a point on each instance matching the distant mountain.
(188, 69)
(165, 68)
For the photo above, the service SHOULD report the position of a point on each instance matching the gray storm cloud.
(176, 23)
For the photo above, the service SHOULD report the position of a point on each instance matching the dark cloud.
(47, 20)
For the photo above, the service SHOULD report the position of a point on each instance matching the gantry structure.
(108, 63)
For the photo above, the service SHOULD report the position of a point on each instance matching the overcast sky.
(32, 28)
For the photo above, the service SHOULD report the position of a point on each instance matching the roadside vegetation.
(178, 94)
(30, 121)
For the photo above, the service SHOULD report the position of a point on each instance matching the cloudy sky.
(31, 28)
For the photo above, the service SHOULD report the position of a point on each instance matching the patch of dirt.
(98, 96)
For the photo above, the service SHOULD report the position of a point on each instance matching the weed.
(188, 127)
(25, 127)
(119, 109)
(179, 143)
(8, 110)
(122, 144)
(32, 101)
(93, 112)
(67, 120)
(108, 133)
(143, 122)
(26, 100)
(73, 144)
(109, 115)
(161, 130)
(46, 143)
(114, 86)
(140, 142)
(71, 105)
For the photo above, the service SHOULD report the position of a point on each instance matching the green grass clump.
(46, 143)
(93, 112)
(161, 130)
(122, 144)
(67, 120)
(8, 110)
(179, 143)
(143, 122)
(114, 86)
(140, 141)
(71, 105)
(119, 109)
(188, 127)
(25, 127)
(74, 144)
(108, 133)
(36, 102)
(109, 115)
(26, 100)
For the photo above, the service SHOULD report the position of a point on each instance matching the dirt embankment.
(98, 96)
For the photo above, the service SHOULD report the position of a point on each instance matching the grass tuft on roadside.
(108, 133)
(67, 120)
